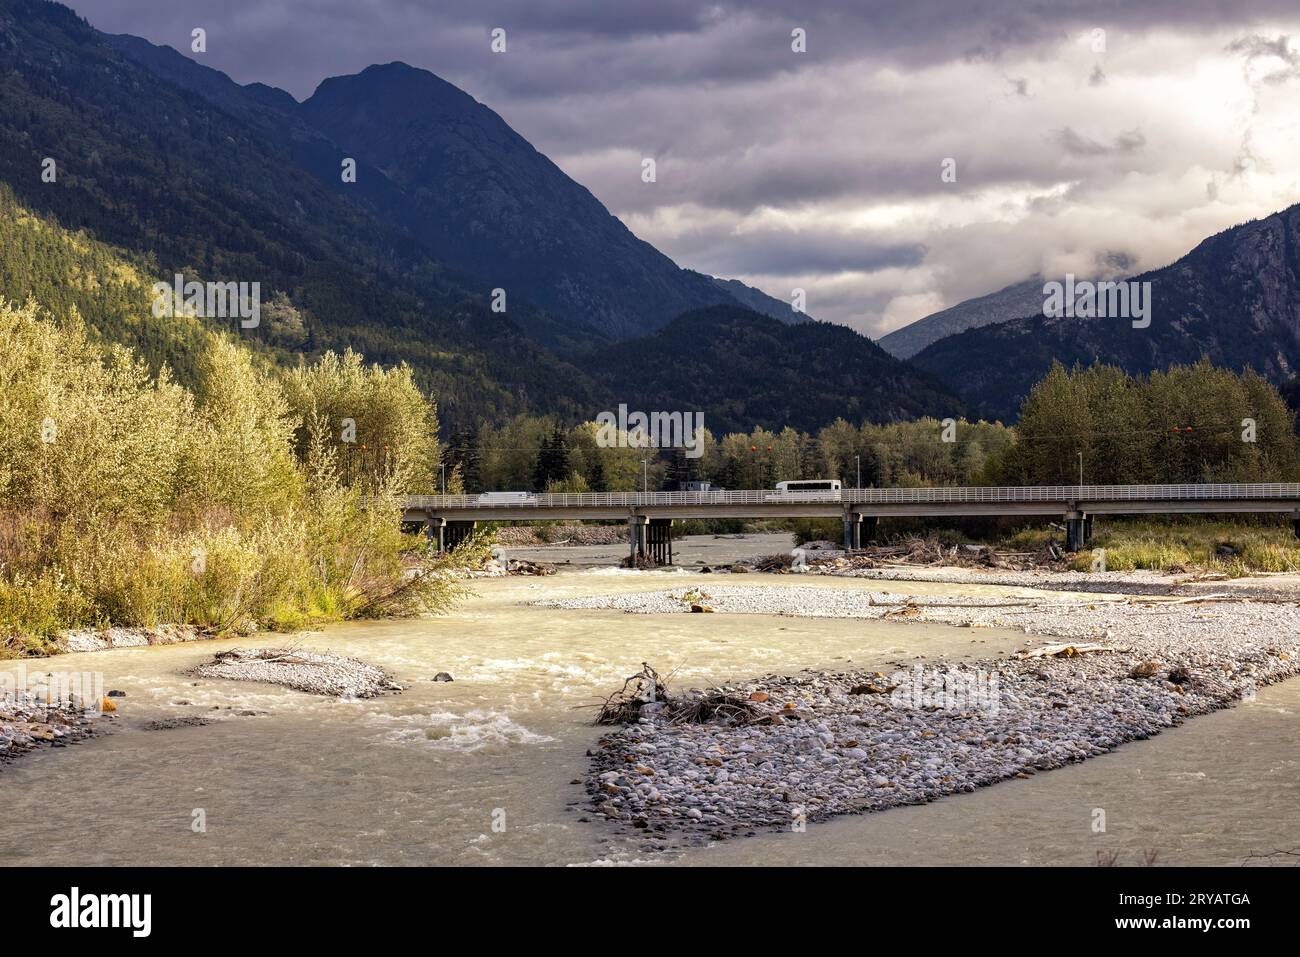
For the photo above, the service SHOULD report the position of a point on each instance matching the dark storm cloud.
(295, 43)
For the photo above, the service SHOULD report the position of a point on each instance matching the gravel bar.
(25, 727)
(332, 675)
(829, 743)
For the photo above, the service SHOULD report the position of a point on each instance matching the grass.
(285, 576)
(1233, 548)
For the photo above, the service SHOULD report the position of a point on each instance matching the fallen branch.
(1067, 650)
(624, 706)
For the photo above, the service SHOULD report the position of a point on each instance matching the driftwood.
(924, 552)
(1068, 650)
(1025, 603)
(712, 706)
(270, 656)
(646, 688)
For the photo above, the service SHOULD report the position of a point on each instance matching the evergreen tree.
(541, 470)
(463, 453)
(596, 472)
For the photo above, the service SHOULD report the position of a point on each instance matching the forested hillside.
(747, 370)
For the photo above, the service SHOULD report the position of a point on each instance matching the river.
(484, 769)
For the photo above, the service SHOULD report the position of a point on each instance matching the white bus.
(507, 498)
(806, 490)
(809, 485)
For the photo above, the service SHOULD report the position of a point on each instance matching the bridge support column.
(1087, 529)
(1295, 523)
(636, 529)
(455, 533)
(1074, 532)
(659, 540)
(436, 530)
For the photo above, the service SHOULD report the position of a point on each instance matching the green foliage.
(377, 422)
(1187, 424)
(817, 530)
(33, 610)
(127, 499)
(514, 455)
(1236, 548)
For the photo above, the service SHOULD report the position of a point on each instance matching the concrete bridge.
(449, 519)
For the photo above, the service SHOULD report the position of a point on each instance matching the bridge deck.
(957, 501)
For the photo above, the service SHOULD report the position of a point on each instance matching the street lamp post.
(442, 467)
(645, 475)
(1080, 469)
(857, 459)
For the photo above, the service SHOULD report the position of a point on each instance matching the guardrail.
(869, 496)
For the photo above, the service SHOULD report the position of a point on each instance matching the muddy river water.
(483, 770)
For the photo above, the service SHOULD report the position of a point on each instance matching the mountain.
(513, 219)
(749, 370)
(1235, 299)
(563, 248)
(169, 166)
(193, 185)
(482, 198)
(66, 272)
(759, 301)
(1019, 299)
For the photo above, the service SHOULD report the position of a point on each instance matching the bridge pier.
(1087, 529)
(659, 540)
(1074, 536)
(870, 523)
(636, 534)
(859, 529)
(1295, 523)
(436, 531)
(454, 533)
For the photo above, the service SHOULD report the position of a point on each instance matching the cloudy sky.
(1088, 136)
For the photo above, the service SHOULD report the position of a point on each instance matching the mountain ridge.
(1234, 298)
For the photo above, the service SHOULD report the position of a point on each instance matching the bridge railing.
(867, 496)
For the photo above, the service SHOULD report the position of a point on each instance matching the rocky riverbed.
(1137, 582)
(334, 676)
(25, 727)
(820, 744)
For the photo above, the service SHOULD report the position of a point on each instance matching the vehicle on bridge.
(806, 490)
(507, 498)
